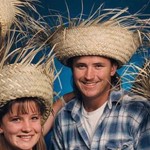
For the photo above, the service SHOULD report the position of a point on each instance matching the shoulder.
(127, 98)
(70, 106)
(130, 104)
(135, 106)
(67, 113)
(132, 99)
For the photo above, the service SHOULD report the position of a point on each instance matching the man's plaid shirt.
(124, 125)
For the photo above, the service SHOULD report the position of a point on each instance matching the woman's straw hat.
(17, 81)
(19, 77)
(23, 73)
(117, 37)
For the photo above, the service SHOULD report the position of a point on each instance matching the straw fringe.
(125, 32)
(20, 77)
(112, 34)
(13, 14)
(141, 84)
(10, 10)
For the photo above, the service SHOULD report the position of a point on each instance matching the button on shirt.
(124, 125)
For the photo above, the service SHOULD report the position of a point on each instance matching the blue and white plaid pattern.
(124, 125)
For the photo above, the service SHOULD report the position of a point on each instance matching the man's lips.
(89, 84)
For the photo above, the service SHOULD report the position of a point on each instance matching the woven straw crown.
(110, 35)
(109, 41)
(18, 81)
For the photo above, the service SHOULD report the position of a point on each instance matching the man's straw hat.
(117, 37)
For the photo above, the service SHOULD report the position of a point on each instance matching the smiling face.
(92, 76)
(22, 128)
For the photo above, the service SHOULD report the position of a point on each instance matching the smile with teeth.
(89, 83)
(25, 137)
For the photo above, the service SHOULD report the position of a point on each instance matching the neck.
(93, 103)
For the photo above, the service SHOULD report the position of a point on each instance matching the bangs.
(26, 105)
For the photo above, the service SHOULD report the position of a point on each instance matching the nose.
(26, 126)
(89, 73)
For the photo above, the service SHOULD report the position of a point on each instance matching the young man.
(102, 115)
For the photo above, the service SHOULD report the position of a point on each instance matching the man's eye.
(80, 66)
(98, 66)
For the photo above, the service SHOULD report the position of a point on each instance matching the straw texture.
(114, 34)
(18, 81)
(9, 11)
(7, 15)
(23, 73)
(141, 85)
(111, 42)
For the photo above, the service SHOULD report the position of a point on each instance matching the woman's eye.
(15, 119)
(35, 118)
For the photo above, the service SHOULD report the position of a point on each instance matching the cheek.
(101, 74)
(11, 128)
(37, 127)
(104, 75)
(77, 74)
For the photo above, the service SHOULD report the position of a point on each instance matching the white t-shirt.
(91, 119)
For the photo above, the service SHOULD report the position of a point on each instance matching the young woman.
(25, 104)
(20, 125)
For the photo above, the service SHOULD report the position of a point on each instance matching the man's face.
(92, 75)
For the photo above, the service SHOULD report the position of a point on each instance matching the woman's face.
(22, 130)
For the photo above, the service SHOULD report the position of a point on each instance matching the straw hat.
(117, 37)
(18, 81)
(9, 10)
(141, 84)
(25, 78)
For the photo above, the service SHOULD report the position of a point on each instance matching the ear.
(113, 69)
(1, 129)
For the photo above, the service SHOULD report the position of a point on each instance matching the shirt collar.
(115, 97)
